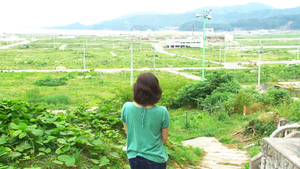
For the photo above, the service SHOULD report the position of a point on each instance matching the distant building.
(11, 38)
(228, 38)
(183, 43)
(66, 37)
(209, 30)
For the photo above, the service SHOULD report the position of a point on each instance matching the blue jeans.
(143, 163)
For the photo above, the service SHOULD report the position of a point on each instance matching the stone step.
(219, 166)
(237, 155)
(225, 160)
(228, 151)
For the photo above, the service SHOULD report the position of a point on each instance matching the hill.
(221, 16)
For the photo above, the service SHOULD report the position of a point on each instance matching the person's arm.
(164, 134)
(125, 128)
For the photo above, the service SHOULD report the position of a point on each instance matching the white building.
(228, 38)
(183, 43)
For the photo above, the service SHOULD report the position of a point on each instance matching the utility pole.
(153, 56)
(240, 52)
(131, 77)
(140, 43)
(220, 53)
(54, 41)
(298, 50)
(260, 47)
(225, 52)
(83, 57)
(243, 53)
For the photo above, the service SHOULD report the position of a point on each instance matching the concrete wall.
(279, 154)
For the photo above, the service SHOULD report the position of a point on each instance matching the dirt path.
(217, 155)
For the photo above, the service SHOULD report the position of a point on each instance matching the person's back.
(146, 125)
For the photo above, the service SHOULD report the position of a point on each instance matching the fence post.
(221, 108)
(186, 119)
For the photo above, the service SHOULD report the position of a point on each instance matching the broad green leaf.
(16, 133)
(62, 141)
(127, 166)
(20, 148)
(27, 146)
(17, 121)
(97, 142)
(26, 157)
(2, 150)
(60, 126)
(13, 126)
(37, 132)
(48, 150)
(51, 137)
(58, 151)
(22, 126)
(66, 148)
(114, 155)
(72, 139)
(70, 162)
(15, 107)
(2, 116)
(81, 140)
(57, 162)
(22, 135)
(2, 140)
(95, 167)
(41, 149)
(15, 154)
(41, 154)
(64, 157)
(95, 161)
(103, 161)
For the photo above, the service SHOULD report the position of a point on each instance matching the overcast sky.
(40, 13)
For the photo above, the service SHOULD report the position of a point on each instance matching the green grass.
(269, 73)
(43, 54)
(114, 89)
(85, 88)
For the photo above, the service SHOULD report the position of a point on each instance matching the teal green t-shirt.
(144, 131)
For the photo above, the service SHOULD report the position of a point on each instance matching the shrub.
(275, 96)
(263, 125)
(33, 95)
(191, 94)
(48, 81)
(242, 99)
(57, 99)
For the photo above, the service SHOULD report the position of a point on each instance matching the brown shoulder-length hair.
(146, 90)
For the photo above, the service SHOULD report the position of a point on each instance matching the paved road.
(62, 47)
(159, 48)
(15, 44)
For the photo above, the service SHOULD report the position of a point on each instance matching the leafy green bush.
(291, 111)
(33, 95)
(28, 133)
(48, 81)
(275, 96)
(192, 94)
(56, 99)
(242, 99)
(261, 127)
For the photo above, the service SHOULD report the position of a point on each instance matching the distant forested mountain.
(248, 17)
(275, 22)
